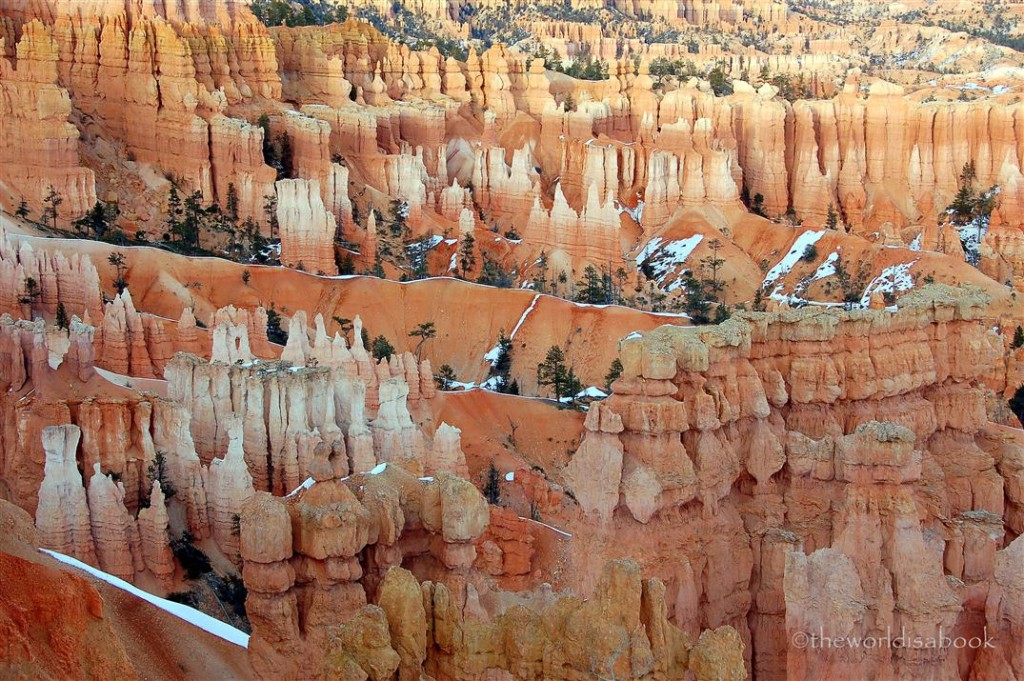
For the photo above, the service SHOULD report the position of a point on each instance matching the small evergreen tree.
(381, 348)
(117, 260)
(832, 219)
(32, 292)
(445, 377)
(614, 372)
(467, 257)
(63, 322)
(270, 212)
(275, 334)
(98, 220)
(594, 287)
(492, 488)
(553, 373)
(157, 472)
(491, 274)
(1018, 338)
(424, 332)
(346, 265)
(52, 203)
(540, 281)
(22, 211)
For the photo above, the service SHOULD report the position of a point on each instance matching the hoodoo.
(511, 341)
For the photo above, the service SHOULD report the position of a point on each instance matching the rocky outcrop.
(801, 438)
(326, 400)
(153, 532)
(312, 559)
(72, 281)
(313, 562)
(118, 543)
(62, 517)
(38, 144)
(307, 228)
(228, 487)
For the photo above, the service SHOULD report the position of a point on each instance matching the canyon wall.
(787, 451)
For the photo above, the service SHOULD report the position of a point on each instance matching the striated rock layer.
(815, 472)
(328, 598)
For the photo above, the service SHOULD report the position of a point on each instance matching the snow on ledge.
(305, 484)
(550, 527)
(179, 610)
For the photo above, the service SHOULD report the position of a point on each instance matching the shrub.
(195, 562)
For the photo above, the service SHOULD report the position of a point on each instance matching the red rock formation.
(118, 544)
(228, 487)
(38, 146)
(58, 279)
(762, 433)
(62, 516)
(156, 549)
(308, 594)
(329, 399)
(307, 228)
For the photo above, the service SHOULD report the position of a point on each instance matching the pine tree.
(1018, 338)
(553, 372)
(117, 260)
(467, 258)
(63, 322)
(492, 488)
(381, 348)
(614, 372)
(52, 201)
(22, 211)
(98, 219)
(275, 334)
(270, 212)
(540, 281)
(445, 377)
(425, 331)
(592, 288)
(501, 366)
(832, 220)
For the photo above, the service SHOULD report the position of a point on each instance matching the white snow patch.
(591, 392)
(892, 280)
(632, 335)
(492, 355)
(636, 213)
(550, 527)
(464, 386)
(494, 384)
(522, 319)
(782, 268)
(453, 262)
(648, 250)
(971, 236)
(827, 268)
(915, 245)
(306, 484)
(179, 610)
(664, 258)
(510, 476)
(378, 469)
(451, 242)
